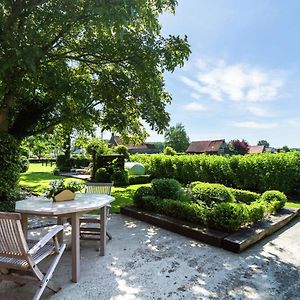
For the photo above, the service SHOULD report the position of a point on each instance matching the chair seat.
(21, 263)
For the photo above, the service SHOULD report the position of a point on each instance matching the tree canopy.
(177, 138)
(85, 61)
(263, 143)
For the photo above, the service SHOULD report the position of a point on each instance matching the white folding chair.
(88, 232)
(19, 258)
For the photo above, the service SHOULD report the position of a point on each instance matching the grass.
(38, 177)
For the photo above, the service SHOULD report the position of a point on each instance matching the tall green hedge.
(256, 172)
(9, 171)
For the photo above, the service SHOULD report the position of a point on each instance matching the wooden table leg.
(24, 222)
(75, 247)
(103, 217)
(60, 235)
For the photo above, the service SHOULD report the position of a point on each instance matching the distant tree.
(263, 143)
(238, 146)
(285, 149)
(158, 145)
(169, 151)
(177, 138)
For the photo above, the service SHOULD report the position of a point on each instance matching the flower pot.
(65, 195)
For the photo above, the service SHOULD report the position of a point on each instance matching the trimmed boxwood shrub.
(139, 179)
(257, 210)
(244, 196)
(211, 193)
(120, 177)
(140, 193)
(102, 175)
(228, 217)
(275, 199)
(24, 164)
(166, 188)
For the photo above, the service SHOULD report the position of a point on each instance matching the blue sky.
(242, 79)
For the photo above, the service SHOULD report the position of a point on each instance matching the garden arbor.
(71, 61)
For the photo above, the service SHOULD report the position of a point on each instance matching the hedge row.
(256, 172)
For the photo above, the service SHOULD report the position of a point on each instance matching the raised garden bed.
(236, 242)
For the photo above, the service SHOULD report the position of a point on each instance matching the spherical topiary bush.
(140, 193)
(166, 188)
(227, 217)
(135, 168)
(212, 193)
(275, 199)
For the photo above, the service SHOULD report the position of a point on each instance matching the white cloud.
(195, 96)
(255, 125)
(195, 106)
(259, 111)
(236, 82)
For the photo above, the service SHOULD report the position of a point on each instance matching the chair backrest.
(12, 239)
(98, 187)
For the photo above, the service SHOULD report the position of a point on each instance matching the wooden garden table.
(83, 203)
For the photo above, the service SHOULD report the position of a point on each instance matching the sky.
(242, 80)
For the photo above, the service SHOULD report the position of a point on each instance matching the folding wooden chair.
(88, 232)
(19, 258)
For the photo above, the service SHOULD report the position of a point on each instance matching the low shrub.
(63, 163)
(140, 193)
(227, 217)
(139, 179)
(102, 175)
(275, 199)
(211, 193)
(169, 151)
(257, 210)
(166, 188)
(244, 196)
(120, 177)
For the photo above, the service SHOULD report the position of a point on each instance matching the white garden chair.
(19, 258)
(88, 232)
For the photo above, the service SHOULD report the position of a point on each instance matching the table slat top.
(45, 206)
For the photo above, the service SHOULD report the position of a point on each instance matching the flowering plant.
(57, 186)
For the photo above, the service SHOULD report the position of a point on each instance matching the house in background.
(256, 149)
(146, 148)
(207, 147)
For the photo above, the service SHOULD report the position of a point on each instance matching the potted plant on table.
(59, 190)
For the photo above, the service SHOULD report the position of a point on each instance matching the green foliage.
(211, 193)
(169, 151)
(102, 175)
(176, 137)
(123, 150)
(117, 53)
(24, 164)
(244, 196)
(120, 177)
(275, 199)
(166, 188)
(263, 143)
(257, 210)
(63, 163)
(98, 147)
(139, 179)
(256, 172)
(228, 216)
(9, 171)
(140, 193)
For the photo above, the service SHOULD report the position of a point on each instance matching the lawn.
(38, 177)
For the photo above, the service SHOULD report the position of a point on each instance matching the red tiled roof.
(205, 146)
(256, 149)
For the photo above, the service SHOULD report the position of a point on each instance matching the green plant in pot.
(59, 190)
